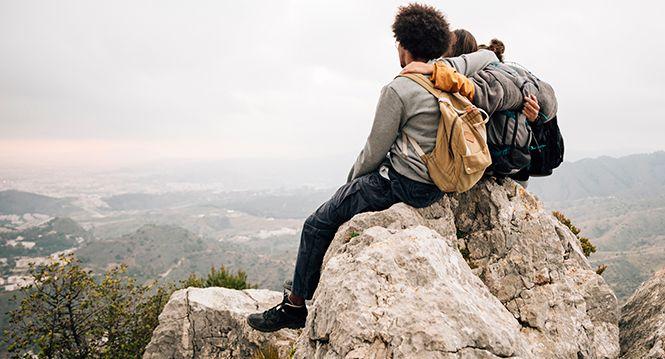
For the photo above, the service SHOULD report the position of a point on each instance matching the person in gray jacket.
(382, 175)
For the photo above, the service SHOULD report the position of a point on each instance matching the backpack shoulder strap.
(425, 83)
(440, 95)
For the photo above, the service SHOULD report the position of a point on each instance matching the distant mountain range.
(641, 175)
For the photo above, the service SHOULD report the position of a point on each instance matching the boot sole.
(270, 330)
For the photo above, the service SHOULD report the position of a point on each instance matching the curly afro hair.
(422, 30)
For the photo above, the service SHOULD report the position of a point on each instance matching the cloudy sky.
(119, 81)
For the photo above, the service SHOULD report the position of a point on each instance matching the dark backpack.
(509, 136)
(546, 148)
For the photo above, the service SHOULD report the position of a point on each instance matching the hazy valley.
(164, 227)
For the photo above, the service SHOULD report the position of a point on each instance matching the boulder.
(643, 321)
(211, 323)
(535, 266)
(392, 284)
(406, 293)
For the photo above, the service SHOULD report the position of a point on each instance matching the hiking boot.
(283, 315)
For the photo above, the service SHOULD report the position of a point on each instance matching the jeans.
(370, 192)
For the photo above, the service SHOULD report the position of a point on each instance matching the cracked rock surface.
(485, 274)
(643, 321)
(211, 323)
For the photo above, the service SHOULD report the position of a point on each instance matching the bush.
(601, 269)
(193, 281)
(587, 246)
(219, 278)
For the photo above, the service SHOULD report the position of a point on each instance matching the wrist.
(435, 67)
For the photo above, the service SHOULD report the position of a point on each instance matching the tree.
(224, 278)
(128, 313)
(56, 313)
(66, 313)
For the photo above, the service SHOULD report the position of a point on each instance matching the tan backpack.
(460, 154)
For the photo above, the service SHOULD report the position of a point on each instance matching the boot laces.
(273, 314)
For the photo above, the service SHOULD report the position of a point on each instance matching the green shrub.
(587, 246)
(192, 281)
(219, 278)
(226, 279)
(601, 269)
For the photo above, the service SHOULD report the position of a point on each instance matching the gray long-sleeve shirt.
(406, 106)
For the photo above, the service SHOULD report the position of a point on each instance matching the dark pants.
(370, 192)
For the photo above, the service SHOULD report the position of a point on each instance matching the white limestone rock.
(211, 323)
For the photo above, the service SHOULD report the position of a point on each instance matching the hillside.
(166, 252)
(18, 202)
(148, 252)
(278, 203)
(35, 243)
(640, 175)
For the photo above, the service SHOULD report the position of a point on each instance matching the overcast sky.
(95, 81)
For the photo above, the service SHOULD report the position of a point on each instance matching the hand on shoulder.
(417, 67)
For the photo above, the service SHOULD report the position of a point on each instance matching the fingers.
(531, 108)
(530, 113)
(408, 69)
(533, 101)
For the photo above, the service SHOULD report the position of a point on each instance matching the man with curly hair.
(384, 173)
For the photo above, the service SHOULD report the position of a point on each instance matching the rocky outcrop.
(211, 323)
(406, 293)
(535, 266)
(394, 285)
(643, 321)
(484, 274)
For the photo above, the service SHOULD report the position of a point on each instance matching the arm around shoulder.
(469, 64)
(446, 79)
